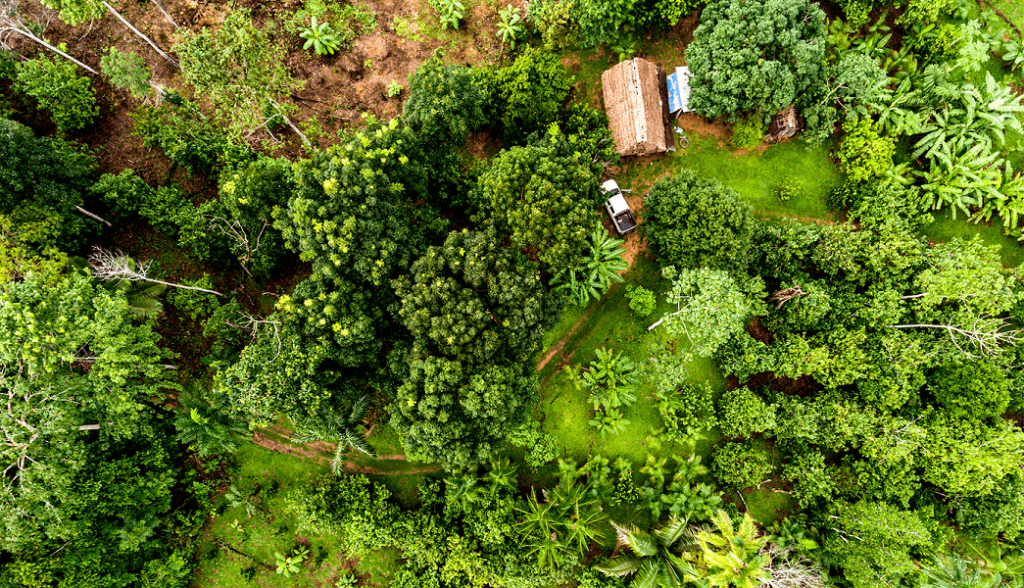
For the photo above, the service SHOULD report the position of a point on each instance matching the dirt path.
(558, 347)
(321, 453)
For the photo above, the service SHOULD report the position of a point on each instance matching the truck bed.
(625, 222)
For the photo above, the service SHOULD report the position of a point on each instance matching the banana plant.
(599, 269)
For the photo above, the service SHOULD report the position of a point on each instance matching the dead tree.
(784, 296)
(12, 23)
(118, 266)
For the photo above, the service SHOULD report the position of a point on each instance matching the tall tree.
(755, 56)
(697, 222)
(476, 313)
(352, 209)
(545, 200)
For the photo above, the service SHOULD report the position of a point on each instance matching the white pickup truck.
(618, 208)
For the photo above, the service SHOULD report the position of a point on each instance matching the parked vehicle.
(618, 208)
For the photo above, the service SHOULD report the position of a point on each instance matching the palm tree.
(952, 572)
(564, 523)
(730, 555)
(655, 559)
(344, 432)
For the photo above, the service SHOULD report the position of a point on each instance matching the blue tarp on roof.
(679, 90)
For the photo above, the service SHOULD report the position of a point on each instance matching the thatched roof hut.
(636, 101)
(784, 124)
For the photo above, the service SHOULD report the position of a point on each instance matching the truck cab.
(618, 208)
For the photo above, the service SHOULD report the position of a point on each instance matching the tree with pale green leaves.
(711, 306)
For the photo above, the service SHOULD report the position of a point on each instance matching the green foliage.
(238, 70)
(971, 391)
(864, 154)
(42, 180)
(206, 427)
(555, 22)
(743, 414)
(477, 314)
(599, 268)
(754, 57)
(321, 37)
(187, 138)
(194, 304)
(546, 202)
(350, 507)
(88, 469)
(730, 554)
(350, 210)
(812, 478)
(689, 408)
(288, 565)
(445, 103)
(450, 12)
(610, 22)
(671, 12)
(939, 43)
(852, 86)
(712, 307)
(59, 89)
(654, 555)
(541, 447)
(75, 12)
(242, 217)
(874, 542)
(344, 431)
(641, 300)
(566, 521)
(748, 132)
(127, 71)
(742, 464)
(528, 95)
(511, 26)
(692, 222)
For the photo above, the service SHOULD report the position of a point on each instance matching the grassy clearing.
(754, 175)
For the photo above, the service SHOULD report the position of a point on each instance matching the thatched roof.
(637, 112)
(785, 123)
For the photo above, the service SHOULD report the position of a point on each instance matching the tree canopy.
(754, 56)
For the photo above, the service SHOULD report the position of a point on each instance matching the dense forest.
(313, 293)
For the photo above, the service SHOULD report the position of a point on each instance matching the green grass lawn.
(755, 175)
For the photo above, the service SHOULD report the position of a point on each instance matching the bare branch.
(118, 266)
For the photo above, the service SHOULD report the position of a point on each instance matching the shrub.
(610, 22)
(748, 132)
(555, 22)
(689, 408)
(528, 95)
(321, 37)
(451, 12)
(192, 303)
(864, 154)
(541, 447)
(127, 71)
(511, 28)
(752, 57)
(445, 103)
(938, 43)
(693, 222)
(973, 391)
(742, 413)
(186, 138)
(123, 194)
(59, 89)
(671, 11)
(741, 464)
(641, 300)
